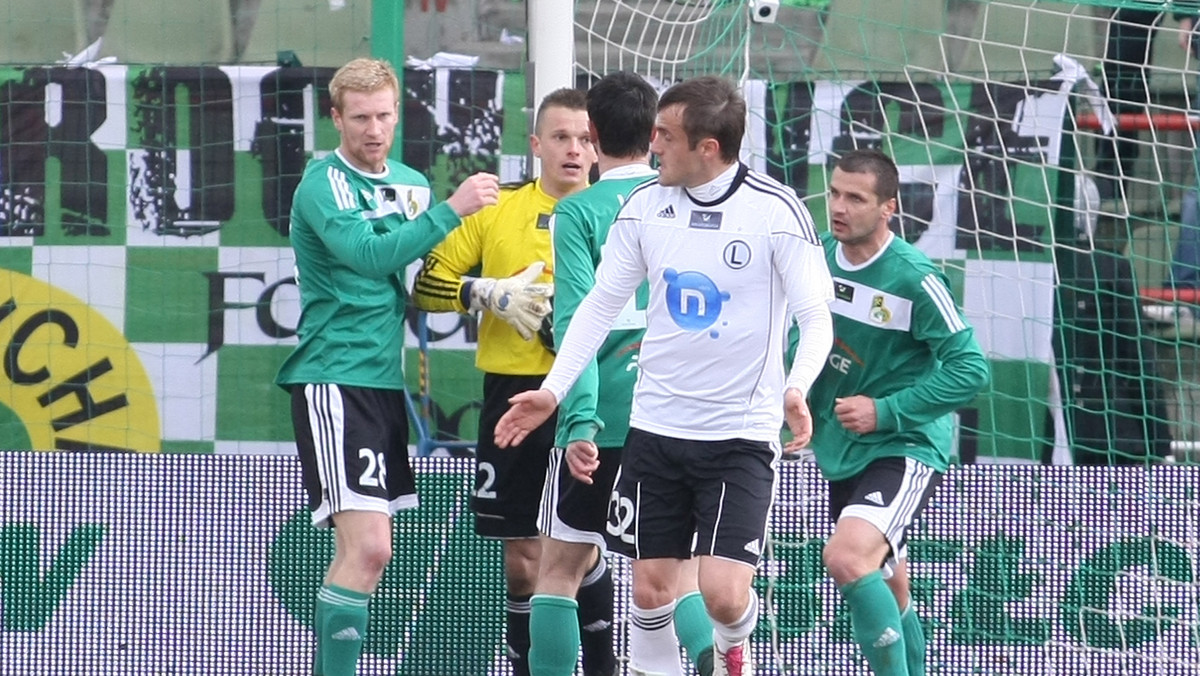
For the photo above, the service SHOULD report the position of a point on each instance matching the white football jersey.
(725, 277)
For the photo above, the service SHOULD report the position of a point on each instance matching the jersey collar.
(720, 188)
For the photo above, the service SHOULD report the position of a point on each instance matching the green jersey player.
(358, 219)
(903, 360)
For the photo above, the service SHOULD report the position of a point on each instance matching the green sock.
(875, 619)
(341, 627)
(694, 630)
(554, 635)
(914, 641)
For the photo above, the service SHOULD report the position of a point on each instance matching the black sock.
(595, 599)
(517, 636)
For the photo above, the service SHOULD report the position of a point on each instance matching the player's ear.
(890, 207)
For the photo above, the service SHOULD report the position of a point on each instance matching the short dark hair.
(871, 161)
(712, 108)
(622, 106)
(565, 97)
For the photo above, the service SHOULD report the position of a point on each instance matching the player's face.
(367, 123)
(678, 164)
(856, 214)
(564, 145)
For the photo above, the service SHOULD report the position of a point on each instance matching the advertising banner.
(139, 565)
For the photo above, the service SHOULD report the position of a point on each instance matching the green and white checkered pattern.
(157, 197)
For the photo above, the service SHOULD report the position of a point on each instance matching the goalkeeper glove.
(517, 300)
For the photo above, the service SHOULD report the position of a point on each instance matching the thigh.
(735, 483)
(650, 510)
(353, 447)
(890, 494)
(573, 511)
(509, 481)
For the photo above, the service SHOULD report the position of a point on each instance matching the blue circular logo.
(693, 299)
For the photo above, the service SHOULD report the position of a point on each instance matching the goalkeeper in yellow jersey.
(510, 244)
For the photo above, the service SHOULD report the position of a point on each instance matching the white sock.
(726, 636)
(653, 648)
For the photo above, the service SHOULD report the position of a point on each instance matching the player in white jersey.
(731, 257)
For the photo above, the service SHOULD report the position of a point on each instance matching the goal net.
(1048, 165)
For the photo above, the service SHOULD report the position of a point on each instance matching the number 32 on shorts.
(620, 517)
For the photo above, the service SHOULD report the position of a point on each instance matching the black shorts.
(353, 446)
(509, 481)
(890, 494)
(669, 490)
(573, 511)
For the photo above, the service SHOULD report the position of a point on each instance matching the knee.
(521, 561)
(651, 592)
(726, 605)
(843, 563)
(370, 557)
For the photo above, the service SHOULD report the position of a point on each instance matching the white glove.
(517, 300)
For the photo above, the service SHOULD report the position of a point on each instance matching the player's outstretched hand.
(856, 413)
(583, 459)
(476, 192)
(528, 410)
(517, 300)
(799, 420)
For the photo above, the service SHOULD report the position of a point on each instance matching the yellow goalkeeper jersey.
(499, 241)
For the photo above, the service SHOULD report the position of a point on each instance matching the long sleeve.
(574, 276)
(357, 244)
(621, 270)
(809, 289)
(438, 285)
(962, 367)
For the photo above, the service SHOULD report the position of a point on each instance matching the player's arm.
(574, 276)
(443, 285)
(809, 290)
(962, 367)
(352, 239)
(622, 269)
(439, 283)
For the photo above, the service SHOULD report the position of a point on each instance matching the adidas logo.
(875, 497)
(598, 625)
(753, 548)
(888, 637)
(347, 634)
(668, 212)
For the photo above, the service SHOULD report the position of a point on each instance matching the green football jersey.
(900, 339)
(353, 235)
(597, 407)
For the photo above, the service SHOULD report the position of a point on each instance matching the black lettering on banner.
(261, 306)
(874, 109)
(279, 135)
(920, 113)
(76, 386)
(788, 132)
(27, 142)
(994, 151)
(12, 367)
(262, 312)
(459, 125)
(185, 120)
